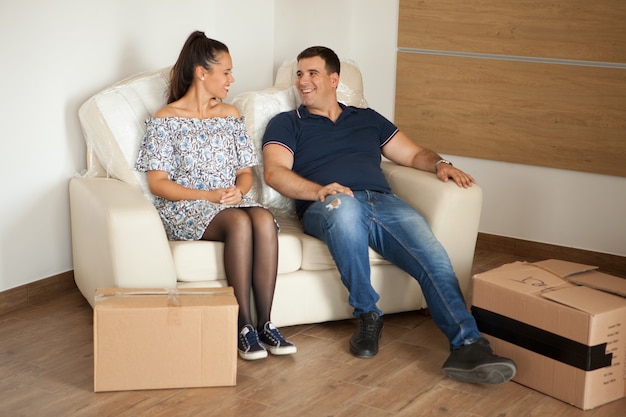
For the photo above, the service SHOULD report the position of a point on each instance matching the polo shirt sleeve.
(281, 130)
(386, 128)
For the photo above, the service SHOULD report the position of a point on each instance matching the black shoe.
(476, 363)
(364, 342)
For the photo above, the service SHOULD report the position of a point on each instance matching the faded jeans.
(402, 236)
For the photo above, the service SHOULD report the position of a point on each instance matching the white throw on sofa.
(118, 239)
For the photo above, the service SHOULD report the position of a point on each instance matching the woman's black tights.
(250, 257)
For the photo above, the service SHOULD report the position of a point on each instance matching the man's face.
(314, 85)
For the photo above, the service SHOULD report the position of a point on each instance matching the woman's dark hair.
(197, 50)
(328, 55)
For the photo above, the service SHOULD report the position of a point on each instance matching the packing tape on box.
(174, 315)
(559, 348)
(164, 291)
(173, 294)
(172, 299)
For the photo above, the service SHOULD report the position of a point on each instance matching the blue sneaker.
(273, 340)
(249, 346)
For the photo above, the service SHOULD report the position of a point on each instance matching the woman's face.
(217, 81)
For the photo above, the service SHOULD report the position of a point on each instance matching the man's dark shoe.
(476, 363)
(364, 342)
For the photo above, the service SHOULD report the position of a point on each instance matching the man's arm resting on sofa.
(118, 239)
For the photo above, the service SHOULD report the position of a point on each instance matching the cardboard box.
(568, 340)
(157, 338)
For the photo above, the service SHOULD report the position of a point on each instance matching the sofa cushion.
(113, 125)
(316, 257)
(204, 260)
(258, 108)
(315, 254)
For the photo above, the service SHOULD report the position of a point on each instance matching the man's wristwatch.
(442, 161)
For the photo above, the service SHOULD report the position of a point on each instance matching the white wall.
(565, 208)
(57, 54)
(345, 26)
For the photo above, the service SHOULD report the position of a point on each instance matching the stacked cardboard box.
(156, 338)
(563, 323)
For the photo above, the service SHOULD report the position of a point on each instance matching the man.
(327, 157)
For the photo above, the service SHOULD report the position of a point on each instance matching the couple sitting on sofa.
(325, 155)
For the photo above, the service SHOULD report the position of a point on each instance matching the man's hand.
(331, 189)
(447, 171)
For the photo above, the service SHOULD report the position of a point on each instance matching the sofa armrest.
(452, 212)
(118, 239)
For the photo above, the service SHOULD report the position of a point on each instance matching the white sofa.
(118, 239)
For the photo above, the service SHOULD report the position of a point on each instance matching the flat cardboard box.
(157, 338)
(562, 323)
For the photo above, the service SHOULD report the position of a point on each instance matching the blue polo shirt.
(347, 151)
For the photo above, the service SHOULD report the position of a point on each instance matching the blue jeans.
(402, 236)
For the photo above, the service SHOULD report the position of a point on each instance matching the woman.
(198, 159)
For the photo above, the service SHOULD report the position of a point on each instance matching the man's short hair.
(328, 55)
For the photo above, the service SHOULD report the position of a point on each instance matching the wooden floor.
(46, 369)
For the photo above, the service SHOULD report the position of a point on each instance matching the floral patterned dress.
(203, 154)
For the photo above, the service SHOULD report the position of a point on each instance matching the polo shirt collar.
(303, 113)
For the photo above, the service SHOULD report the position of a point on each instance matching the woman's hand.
(230, 196)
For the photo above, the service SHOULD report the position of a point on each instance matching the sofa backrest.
(113, 122)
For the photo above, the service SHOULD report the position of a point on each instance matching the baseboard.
(610, 264)
(36, 292)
